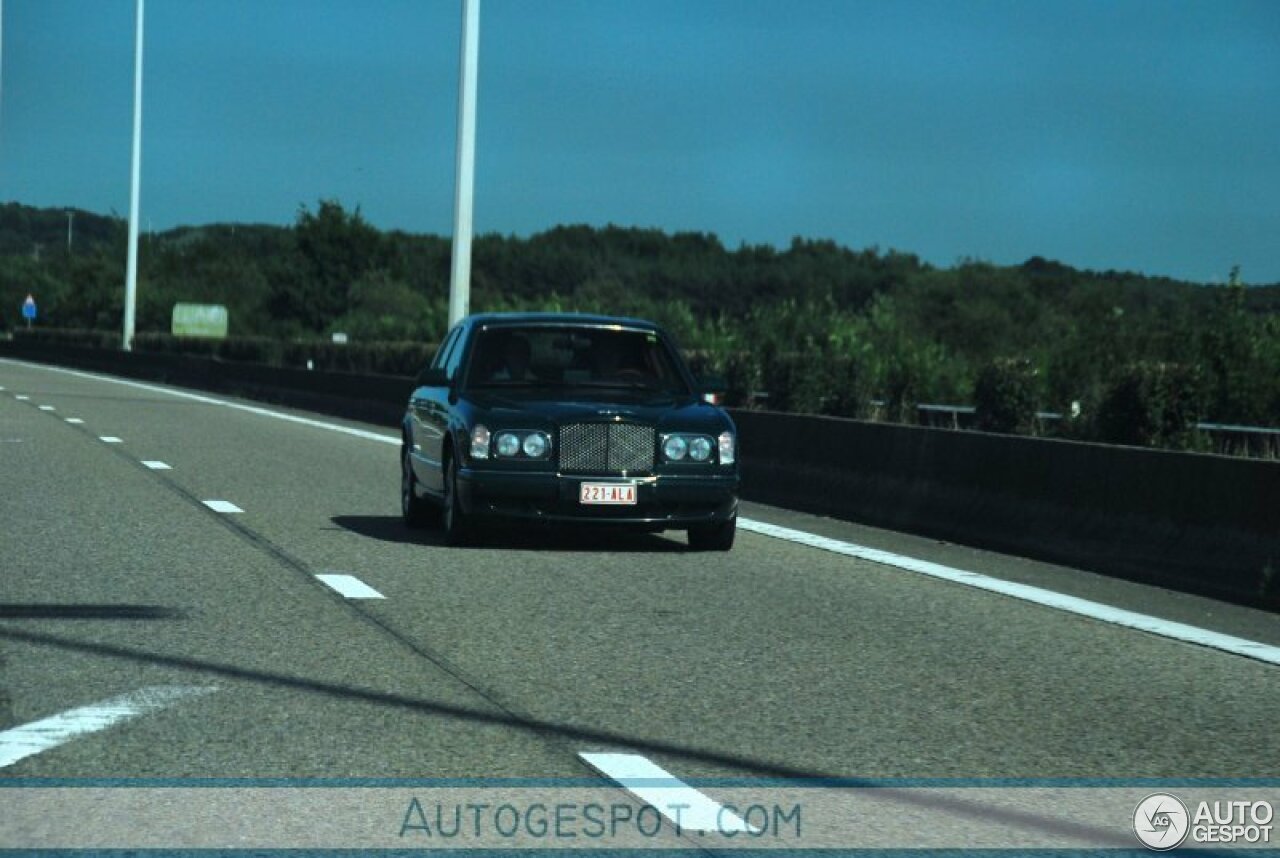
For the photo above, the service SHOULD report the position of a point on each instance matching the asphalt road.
(510, 659)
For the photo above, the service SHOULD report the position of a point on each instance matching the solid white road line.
(75, 420)
(350, 586)
(690, 809)
(156, 465)
(222, 506)
(109, 439)
(1026, 593)
(1048, 598)
(18, 743)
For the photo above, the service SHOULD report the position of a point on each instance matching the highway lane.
(86, 525)
(508, 659)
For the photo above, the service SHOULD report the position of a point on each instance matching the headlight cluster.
(728, 448)
(694, 448)
(508, 444)
(480, 442)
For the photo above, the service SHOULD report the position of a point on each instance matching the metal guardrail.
(1256, 442)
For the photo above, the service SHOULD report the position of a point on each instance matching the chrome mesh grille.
(597, 447)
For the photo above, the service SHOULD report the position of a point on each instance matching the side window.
(442, 355)
(454, 359)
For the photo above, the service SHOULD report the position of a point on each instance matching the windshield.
(559, 357)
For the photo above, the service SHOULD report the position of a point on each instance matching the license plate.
(607, 493)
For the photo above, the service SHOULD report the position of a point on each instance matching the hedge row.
(70, 337)
(379, 358)
(1143, 404)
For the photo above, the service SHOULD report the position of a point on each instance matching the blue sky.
(1120, 135)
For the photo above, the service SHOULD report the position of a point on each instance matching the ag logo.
(1161, 821)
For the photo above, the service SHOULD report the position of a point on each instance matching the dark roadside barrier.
(373, 398)
(1192, 522)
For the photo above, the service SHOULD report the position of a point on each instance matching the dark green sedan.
(567, 418)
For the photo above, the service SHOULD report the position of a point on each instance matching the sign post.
(29, 310)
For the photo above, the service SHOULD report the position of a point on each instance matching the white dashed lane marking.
(22, 398)
(18, 743)
(75, 420)
(222, 506)
(156, 465)
(110, 439)
(350, 586)
(1047, 598)
(47, 408)
(690, 809)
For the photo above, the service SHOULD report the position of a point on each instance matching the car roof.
(505, 319)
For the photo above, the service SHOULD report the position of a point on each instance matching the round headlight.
(675, 447)
(535, 446)
(700, 449)
(507, 444)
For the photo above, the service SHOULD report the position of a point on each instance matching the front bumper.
(662, 501)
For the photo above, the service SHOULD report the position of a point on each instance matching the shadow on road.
(577, 736)
(49, 611)
(603, 538)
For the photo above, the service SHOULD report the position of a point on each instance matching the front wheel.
(713, 537)
(456, 523)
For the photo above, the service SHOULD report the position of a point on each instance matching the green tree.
(336, 249)
(1005, 396)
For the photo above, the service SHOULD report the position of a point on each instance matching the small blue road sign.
(29, 308)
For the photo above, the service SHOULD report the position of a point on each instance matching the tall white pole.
(131, 272)
(1, 46)
(460, 280)
(1, 52)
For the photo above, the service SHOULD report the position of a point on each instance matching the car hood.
(686, 412)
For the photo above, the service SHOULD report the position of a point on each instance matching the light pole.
(1, 48)
(131, 270)
(460, 278)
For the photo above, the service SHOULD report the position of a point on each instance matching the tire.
(713, 537)
(413, 510)
(458, 530)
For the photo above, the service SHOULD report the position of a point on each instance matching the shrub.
(381, 358)
(742, 377)
(796, 381)
(848, 388)
(71, 337)
(1151, 404)
(1004, 396)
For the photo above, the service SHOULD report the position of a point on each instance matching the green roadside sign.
(200, 320)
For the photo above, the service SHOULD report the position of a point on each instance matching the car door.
(430, 418)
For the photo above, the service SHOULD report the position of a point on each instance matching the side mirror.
(432, 377)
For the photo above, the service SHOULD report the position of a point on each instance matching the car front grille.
(606, 447)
